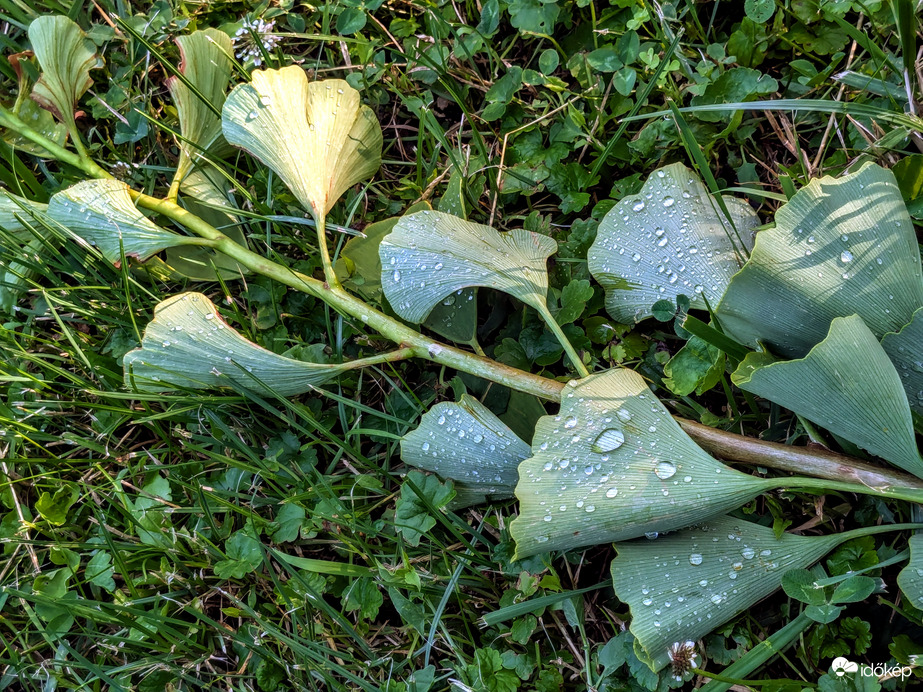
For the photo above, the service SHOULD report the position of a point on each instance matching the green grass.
(223, 540)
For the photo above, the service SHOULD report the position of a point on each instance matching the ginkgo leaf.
(910, 580)
(29, 111)
(66, 57)
(467, 443)
(317, 136)
(614, 465)
(189, 345)
(206, 64)
(905, 349)
(840, 247)
(847, 385)
(203, 196)
(430, 255)
(670, 239)
(682, 586)
(12, 209)
(359, 262)
(103, 213)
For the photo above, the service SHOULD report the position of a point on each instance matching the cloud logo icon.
(841, 666)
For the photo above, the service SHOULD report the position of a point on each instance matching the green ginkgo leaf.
(189, 345)
(66, 57)
(670, 239)
(206, 64)
(317, 136)
(905, 349)
(29, 111)
(847, 385)
(103, 214)
(204, 194)
(910, 580)
(682, 586)
(614, 465)
(467, 443)
(429, 256)
(840, 247)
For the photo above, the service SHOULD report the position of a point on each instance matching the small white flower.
(253, 37)
(682, 658)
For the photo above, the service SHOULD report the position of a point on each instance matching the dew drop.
(571, 422)
(638, 206)
(695, 559)
(668, 201)
(612, 492)
(396, 276)
(845, 256)
(665, 470)
(608, 441)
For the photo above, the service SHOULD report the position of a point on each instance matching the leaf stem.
(813, 461)
(330, 276)
(563, 340)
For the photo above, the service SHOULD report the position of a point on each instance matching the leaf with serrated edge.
(614, 465)
(847, 385)
(840, 247)
(66, 57)
(910, 579)
(430, 255)
(464, 441)
(682, 586)
(316, 136)
(905, 349)
(206, 64)
(103, 213)
(669, 239)
(188, 344)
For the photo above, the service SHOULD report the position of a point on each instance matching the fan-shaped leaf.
(848, 385)
(910, 580)
(317, 136)
(683, 586)
(206, 64)
(669, 239)
(614, 465)
(188, 344)
(66, 57)
(464, 441)
(203, 195)
(430, 255)
(905, 349)
(102, 213)
(840, 247)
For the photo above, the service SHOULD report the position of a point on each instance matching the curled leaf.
(189, 345)
(467, 443)
(317, 136)
(66, 57)
(429, 256)
(103, 213)
(206, 65)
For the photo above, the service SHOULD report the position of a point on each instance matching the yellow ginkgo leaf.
(317, 136)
